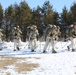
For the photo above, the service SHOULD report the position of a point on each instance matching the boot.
(73, 50)
(18, 48)
(0, 49)
(32, 50)
(53, 51)
(44, 51)
(14, 49)
(68, 48)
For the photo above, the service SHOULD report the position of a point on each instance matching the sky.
(57, 4)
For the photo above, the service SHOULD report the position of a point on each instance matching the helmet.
(34, 26)
(29, 27)
(71, 25)
(14, 27)
(54, 26)
(50, 25)
(18, 26)
(0, 30)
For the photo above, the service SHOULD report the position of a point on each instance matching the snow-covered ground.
(61, 63)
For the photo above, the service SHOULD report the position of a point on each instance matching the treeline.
(24, 16)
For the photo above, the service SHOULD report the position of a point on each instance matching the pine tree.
(73, 12)
(48, 12)
(9, 21)
(1, 15)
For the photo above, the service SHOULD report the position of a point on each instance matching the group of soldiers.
(52, 33)
(53, 36)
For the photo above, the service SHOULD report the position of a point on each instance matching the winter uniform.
(29, 30)
(48, 38)
(51, 36)
(17, 38)
(1, 35)
(72, 37)
(54, 37)
(33, 37)
(58, 33)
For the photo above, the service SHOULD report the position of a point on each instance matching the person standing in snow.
(28, 36)
(72, 37)
(51, 37)
(33, 37)
(48, 38)
(1, 35)
(17, 38)
(54, 37)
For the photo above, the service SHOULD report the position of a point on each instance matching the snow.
(61, 63)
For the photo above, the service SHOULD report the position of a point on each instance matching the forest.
(21, 14)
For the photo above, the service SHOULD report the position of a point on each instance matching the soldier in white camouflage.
(29, 30)
(48, 38)
(1, 35)
(33, 37)
(54, 37)
(51, 37)
(17, 38)
(72, 37)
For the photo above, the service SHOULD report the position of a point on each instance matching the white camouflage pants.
(16, 43)
(0, 40)
(49, 41)
(33, 44)
(73, 43)
(1, 43)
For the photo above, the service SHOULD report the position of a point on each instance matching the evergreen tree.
(1, 15)
(64, 16)
(56, 18)
(66, 21)
(48, 12)
(17, 14)
(24, 17)
(9, 21)
(36, 16)
(73, 12)
(25, 14)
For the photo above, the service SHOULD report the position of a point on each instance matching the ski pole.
(65, 45)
